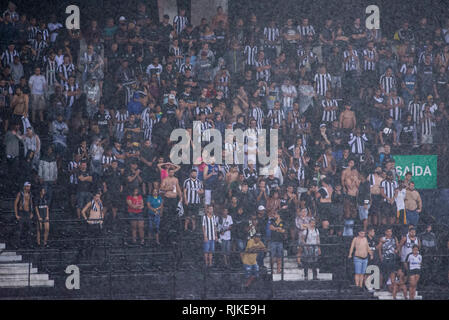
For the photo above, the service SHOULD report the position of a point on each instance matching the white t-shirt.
(400, 204)
(37, 84)
(225, 224)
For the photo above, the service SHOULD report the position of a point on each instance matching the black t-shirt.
(84, 186)
(240, 223)
(113, 180)
(387, 134)
(275, 235)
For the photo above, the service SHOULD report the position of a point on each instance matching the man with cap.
(253, 248)
(165, 30)
(170, 110)
(23, 211)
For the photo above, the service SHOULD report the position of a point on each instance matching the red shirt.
(135, 201)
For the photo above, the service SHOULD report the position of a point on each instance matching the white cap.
(122, 18)
(171, 96)
(260, 208)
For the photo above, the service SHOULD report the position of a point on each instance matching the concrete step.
(8, 253)
(287, 265)
(24, 283)
(7, 258)
(16, 270)
(386, 295)
(300, 277)
(15, 265)
(398, 297)
(2, 246)
(23, 277)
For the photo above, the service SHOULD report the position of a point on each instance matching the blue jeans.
(251, 270)
(209, 246)
(226, 246)
(276, 249)
(412, 217)
(241, 244)
(398, 127)
(154, 222)
(360, 265)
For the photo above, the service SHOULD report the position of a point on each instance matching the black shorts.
(113, 200)
(389, 210)
(192, 210)
(136, 216)
(369, 79)
(376, 204)
(414, 272)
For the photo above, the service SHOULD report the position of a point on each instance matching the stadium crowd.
(93, 109)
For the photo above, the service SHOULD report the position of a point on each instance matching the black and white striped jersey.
(45, 34)
(120, 119)
(403, 69)
(276, 116)
(105, 159)
(357, 143)
(427, 125)
(396, 112)
(264, 74)
(72, 167)
(329, 116)
(271, 34)
(148, 123)
(69, 88)
(369, 65)
(184, 67)
(415, 109)
(192, 187)
(250, 54)
(180, 22)
(66, 71)
(223, 85)
(39, 47)
(258, 114)
(210, 226)
(388, 84)
(51, 68)
(322, 83)
(176, 51)
(306, 30)
(389, 188)
(351, 64)
(305, 58)
(295, 115)
(8, 57)
(32, 33)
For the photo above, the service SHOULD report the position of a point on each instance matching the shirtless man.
(351, 185)
(23, 211)
(347, 119)
(347, 172)
(376, 198)
(362, 249)
(172, 191)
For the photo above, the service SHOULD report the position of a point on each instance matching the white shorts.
(207, 197)
(426, 139)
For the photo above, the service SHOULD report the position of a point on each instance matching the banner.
(423, 169)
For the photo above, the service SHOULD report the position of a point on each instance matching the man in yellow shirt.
(249, 258)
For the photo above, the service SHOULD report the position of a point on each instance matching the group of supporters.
(105, 99)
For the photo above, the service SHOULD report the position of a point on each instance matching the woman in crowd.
(135, 211)
(155, 207)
